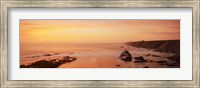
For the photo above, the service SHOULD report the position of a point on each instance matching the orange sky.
(97, 31)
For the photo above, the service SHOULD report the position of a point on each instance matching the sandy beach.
(94, 55)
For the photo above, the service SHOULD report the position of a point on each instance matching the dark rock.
(139, 59)
(170, 46)
(151, 61)
(49, 64)
(47, 55)
(66, 57)
(35, 56)
(22, 66)
(175, 58)
(125, 56)
(172, 64)
(118, 65)
(53, 60)
(148, 55)
(145, 67)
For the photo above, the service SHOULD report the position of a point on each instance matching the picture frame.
(6, 4)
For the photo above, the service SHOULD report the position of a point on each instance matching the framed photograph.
(100, 43)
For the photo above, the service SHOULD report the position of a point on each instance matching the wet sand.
(96, 56)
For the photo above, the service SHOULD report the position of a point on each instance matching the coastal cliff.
(170, 46)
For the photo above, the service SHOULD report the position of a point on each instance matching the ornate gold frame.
(6, 4)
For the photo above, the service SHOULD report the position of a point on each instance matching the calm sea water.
(91, 55)
(39, 48)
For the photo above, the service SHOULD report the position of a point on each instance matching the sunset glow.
(97, 31)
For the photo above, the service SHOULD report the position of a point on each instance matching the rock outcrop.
(170, 46)
(146, 67)
(175, 58)
(49, 63)
(47, 55)
(125, 56)
(139, 59)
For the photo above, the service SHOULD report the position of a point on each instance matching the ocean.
(92, 55)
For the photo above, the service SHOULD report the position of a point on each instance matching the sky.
(97, 31)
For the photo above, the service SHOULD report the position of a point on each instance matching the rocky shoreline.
(169, 46)
(118, 56)
(51, 63)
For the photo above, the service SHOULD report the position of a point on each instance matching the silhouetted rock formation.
(49, 64)
(170, 46)
(125, 56)
(139, 59)
(47, 55)
(151, 61)
(162, 62)
(145, 67)
(173, 64)
(175, 58)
